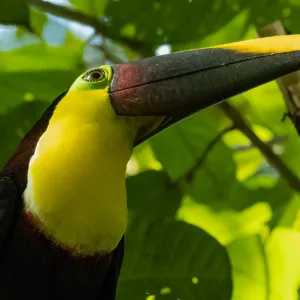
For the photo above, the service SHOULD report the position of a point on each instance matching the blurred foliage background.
(210, 218)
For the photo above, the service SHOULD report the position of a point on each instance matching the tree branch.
(190, 175)
(279, 139)
(99, 26)
(272, 158)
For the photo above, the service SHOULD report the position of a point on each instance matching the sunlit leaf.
(39, 57)
(266, 269)
(282, 250)
(268, 108)
(143, 159)
(247, 157)
(226, 225)
(250, 272)
(289, 217)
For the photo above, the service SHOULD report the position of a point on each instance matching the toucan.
(63, 207)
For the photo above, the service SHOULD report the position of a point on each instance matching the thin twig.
(276, 140)
(190, 175)
(265, 149)
(99, 26)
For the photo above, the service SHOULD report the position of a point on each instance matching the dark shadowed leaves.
(15, 123)
(173, 260)
(163, 200)
(14, 12)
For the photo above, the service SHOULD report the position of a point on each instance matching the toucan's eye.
(94, 75)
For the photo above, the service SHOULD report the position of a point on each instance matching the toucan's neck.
(76, 183)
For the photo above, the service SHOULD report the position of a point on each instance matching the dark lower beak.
(180, 84)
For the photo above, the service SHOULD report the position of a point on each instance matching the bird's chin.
(148, 126)
(163, 124)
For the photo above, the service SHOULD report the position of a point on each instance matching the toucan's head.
(151, 94)
(93, 88)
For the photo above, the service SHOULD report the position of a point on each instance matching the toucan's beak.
(179, 84)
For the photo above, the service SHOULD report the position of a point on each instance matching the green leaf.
(30, 86)
(163, 201)
(250, 273)
(40, 57)
(279, 10)
(90, 7)
(236, 29)
(143, 159)
(15, 12)
(290, 214)
(266, 270)
(189, 139)
(38, 21)
(226, 225)
(248, 160)
(178, 22)
(15, 123)
(241, 210)
(173, 260)
(282, 249)
(290, 153)
(270, 111)
(215, 181)
(175, 20)
(36, 72)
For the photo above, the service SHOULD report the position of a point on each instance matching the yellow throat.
(76, 177)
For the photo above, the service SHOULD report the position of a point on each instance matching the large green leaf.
(189, 139)
(14, 12)
(179, 21)
(171, 19)
(266, 270)
(173, 260)
(155, 241)
(162, 201)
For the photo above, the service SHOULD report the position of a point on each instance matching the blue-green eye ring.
(94, 75)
